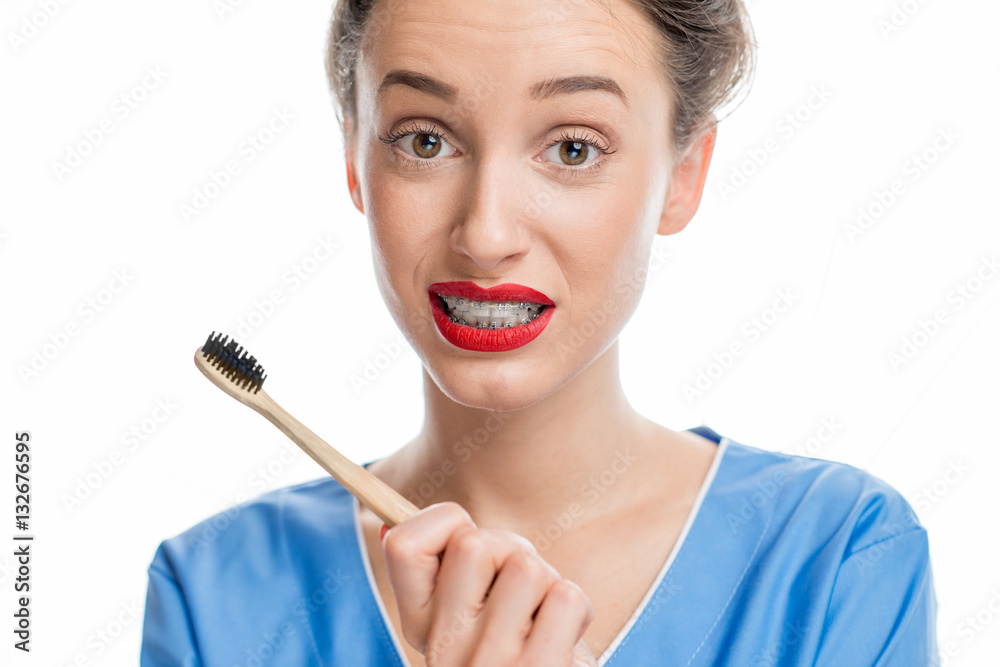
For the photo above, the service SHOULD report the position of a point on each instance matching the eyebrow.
(548, 88)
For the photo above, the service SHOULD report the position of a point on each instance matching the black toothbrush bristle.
(234, 362)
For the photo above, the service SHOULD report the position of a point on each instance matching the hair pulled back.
(707, 54)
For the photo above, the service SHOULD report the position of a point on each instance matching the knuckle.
(509, 538)
(451, 510)
(523, 542)
(399, 544)
(569, 595)
(468, 543)
(528, 565)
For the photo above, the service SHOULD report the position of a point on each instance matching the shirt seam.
(891, 647)
(184, 604)
(915, 529)
(909, 616)
(739, 582)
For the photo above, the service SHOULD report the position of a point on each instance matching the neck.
(517, 469)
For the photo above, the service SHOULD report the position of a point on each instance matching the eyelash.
(392, 137)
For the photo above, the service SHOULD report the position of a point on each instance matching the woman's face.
(500, 173)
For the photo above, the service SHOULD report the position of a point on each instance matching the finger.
(562, 619)
(468, 572)
(472, 559)
(411, 557)
(521, 585)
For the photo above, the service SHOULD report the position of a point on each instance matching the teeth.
(490, 314)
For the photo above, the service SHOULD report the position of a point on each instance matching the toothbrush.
(235, 372)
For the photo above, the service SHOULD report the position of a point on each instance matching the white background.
(63, 237)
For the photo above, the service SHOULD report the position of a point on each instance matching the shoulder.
(835, 501)
(304, 513)
(282, 571)
(846, 553)
(803, 552)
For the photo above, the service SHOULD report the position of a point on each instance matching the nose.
(492, 230)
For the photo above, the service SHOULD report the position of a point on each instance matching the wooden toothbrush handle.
(378, 496)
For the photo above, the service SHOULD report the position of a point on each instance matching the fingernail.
(383, 531)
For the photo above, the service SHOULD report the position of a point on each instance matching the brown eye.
(573, 153)
(426, 145)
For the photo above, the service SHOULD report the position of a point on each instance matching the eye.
(423, 144)
(577, 155)
(571, 152)
(419, 142)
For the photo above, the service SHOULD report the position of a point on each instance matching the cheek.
(604, 242)
(407, 208)
(387, 228)
(397, 219)
(407, 228)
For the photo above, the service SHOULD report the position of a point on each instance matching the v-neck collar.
(720, 452)
(722, 444)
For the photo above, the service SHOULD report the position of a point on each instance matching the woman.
(514, 161)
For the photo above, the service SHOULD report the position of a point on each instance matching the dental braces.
(492, 325)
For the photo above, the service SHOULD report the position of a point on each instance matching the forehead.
(531, 49)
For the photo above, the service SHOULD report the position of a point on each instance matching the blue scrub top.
(784, 560)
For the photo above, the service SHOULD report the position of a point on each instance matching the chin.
(499, 387)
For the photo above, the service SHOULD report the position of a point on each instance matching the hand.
(472, 597)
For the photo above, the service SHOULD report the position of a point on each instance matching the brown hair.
(707, 49)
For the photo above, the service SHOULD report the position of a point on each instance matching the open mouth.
(489, 314)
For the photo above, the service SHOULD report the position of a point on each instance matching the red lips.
(489, 340)
(503, 292)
